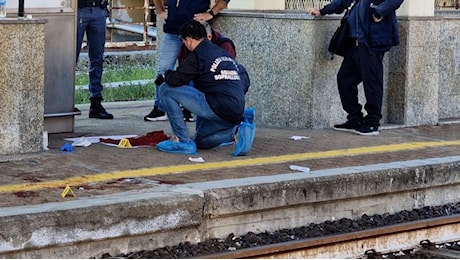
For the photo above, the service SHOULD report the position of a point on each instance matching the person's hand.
(163, 16)
(377, 20)
(313, 11)
(202, 17)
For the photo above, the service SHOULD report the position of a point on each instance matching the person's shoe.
(171, 146)
(156, 115)
(249, 114)
(187, 115)
(96, 110)
(244, 139)
(348, 126)
(366, 129)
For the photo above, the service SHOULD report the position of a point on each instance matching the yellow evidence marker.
(124, 143)
(66, 190)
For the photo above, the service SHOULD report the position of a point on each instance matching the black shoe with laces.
(348, 126)
(366, 129)
(187, 115)
(156, 115)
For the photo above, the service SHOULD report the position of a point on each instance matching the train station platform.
(100, 199)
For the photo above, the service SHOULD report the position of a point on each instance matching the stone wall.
(21, 85)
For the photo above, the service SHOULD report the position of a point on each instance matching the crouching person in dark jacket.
(374, 30)
(216, 98)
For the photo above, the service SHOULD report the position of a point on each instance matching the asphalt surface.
(99, 169)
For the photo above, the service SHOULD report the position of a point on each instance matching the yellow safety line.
(79, 180)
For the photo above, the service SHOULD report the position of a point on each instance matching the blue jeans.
(92, 20)
(211, 130)
(169, 52)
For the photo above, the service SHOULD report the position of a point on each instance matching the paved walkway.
(100, 169)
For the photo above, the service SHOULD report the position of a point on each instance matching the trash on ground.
(196, 159)
(66, 148)
(299, 168)
(82, 142)
(298, 137)
(96, 139)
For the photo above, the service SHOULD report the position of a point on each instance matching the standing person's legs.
(95, 33)
(348, 78)
(372, 71)
(82, 22)
(168, 54)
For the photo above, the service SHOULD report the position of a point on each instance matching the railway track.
(370, 243)
(427, 250)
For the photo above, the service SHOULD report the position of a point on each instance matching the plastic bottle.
(299, 168)
(2, 9)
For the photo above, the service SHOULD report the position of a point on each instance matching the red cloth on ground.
(149, 139)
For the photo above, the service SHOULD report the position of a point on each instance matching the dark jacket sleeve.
(183, 53)
(387, 7)
(335, 7)
(186, 71)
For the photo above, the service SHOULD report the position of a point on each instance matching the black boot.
(96, 110)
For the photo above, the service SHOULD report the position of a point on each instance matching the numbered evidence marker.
(66, 190)
(124, 143)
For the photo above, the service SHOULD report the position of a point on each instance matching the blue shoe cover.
(249, 115)
(66, 148)
(177, 147)
(244, 139)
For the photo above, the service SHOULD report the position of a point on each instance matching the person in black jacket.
(216, 97)
(374, 30)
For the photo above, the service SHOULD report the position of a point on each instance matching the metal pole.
(146, 17)
(21, 8)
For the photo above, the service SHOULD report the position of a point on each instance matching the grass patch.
(122, 93)
(118, 75)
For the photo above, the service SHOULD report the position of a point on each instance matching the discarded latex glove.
(196, 159)
(299, 168)
(66, 148)
(298, 137)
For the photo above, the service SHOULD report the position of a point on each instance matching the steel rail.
(389, 238)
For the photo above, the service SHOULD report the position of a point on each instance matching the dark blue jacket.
(181, 11)
(215, 74)
(379, 37)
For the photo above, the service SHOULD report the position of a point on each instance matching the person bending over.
(216, 97)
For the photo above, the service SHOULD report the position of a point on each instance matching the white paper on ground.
(196, 159)
(88, 140)
(298, 137)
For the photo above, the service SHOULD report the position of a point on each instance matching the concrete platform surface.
(114, 186)
(273, 152)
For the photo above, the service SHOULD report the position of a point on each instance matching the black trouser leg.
(348, 78)
(372, 73)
